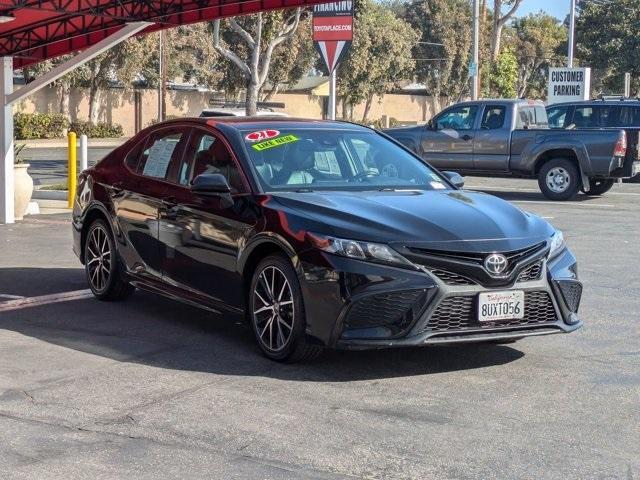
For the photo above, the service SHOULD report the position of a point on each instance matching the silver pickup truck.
(511, 138)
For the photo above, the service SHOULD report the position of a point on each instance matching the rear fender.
(539, 153)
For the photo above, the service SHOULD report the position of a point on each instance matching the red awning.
(43, 29)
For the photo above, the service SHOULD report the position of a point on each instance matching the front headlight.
(557, 244)
(372, 252)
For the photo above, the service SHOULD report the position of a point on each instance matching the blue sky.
(557, 8)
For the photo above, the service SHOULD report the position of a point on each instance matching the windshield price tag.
(261, 135)
(275, 142)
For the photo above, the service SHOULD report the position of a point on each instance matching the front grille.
(451, 278)
(458, 313)
(531, 273)
(386, 309)
(473, 257)
(572, 293)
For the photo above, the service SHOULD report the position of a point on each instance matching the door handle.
(169, 202)
(466, 137)
(118, 187)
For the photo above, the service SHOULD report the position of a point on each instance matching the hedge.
(99, 130)
(31, 126)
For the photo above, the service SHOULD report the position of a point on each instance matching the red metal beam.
(64, 26)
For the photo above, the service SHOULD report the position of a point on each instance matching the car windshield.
(314, 159)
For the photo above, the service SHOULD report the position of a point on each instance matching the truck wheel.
(559, 179)
(599, 187)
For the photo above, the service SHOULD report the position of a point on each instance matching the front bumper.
(358, 305)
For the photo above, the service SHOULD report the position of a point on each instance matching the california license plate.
(494, 306)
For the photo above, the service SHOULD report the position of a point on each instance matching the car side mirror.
(455, 178)
(431, 125)
(211, 184)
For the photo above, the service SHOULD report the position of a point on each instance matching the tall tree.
(536, 40)
(608, 41)
(250, 46)
(380, 57)
(291, 64)
(445, 46)
(500, 19)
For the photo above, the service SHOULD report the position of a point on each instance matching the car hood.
(453, 220)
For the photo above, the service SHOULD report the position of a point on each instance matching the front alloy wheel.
(101, 264)
(277, 311)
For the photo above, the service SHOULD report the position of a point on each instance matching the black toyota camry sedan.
(324, 234)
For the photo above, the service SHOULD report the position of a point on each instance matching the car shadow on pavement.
(154, 331)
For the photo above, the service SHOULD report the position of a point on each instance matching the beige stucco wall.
(117, 106)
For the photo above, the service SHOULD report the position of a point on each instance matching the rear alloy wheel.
(277, 312)
(102, 268)
(559, 179)
(599, 187)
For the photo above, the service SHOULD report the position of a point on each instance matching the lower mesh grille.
(451, 278)
(387, 309)
(572, 293)
(531, 273)
(457, 313)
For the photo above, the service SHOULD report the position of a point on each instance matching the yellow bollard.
(72, 168)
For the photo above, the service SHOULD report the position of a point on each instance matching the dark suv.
(602, 113)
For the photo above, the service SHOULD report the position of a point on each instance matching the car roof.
(263, 122)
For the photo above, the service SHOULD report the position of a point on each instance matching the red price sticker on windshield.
(261, 135)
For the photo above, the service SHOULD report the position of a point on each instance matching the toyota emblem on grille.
(495, 264)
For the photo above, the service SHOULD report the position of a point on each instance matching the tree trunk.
(367, 107)
(93, 103)
(65, 94)
(272, 92)
(251, 102)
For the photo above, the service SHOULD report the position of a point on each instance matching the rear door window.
(493, 117)
(593, 116)
(163, 149)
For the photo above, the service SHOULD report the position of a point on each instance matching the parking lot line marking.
(28, 302)
(568, 204)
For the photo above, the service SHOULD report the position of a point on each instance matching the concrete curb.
(50, 195)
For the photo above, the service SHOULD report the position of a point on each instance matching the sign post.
(569, 84)
(332, 36)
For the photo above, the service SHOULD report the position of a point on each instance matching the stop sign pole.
(332, 36)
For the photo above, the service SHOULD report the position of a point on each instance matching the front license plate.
(493, 306)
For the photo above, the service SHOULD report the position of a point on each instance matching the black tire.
(599, 187)
(278, 317)
(559, 179)
(102, 265)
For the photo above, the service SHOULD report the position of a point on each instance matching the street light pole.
(572, 31)
(476, 41)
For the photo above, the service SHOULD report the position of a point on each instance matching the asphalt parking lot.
(150, 388)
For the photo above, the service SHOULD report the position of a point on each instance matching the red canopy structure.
(35, 30)
(32, 31)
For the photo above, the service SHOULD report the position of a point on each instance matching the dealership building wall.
(118, 105)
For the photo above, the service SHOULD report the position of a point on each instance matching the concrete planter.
(23, 189)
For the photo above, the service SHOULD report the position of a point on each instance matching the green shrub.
(99, 130)
(30, 126)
